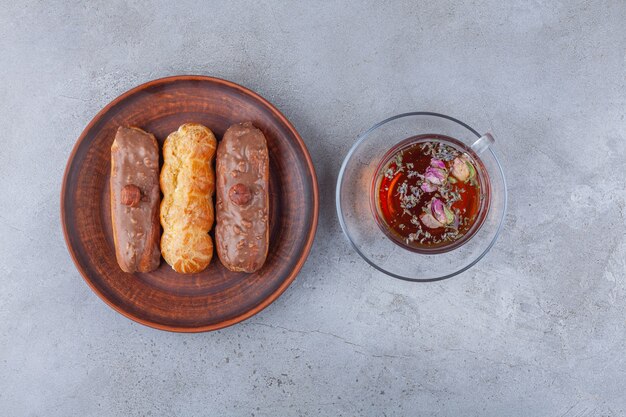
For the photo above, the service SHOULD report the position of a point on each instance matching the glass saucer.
(358, 221)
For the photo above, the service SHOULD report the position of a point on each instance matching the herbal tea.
(430, 193)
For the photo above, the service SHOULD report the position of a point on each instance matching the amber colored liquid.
(398, 220)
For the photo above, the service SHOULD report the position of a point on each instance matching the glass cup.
(356, 207)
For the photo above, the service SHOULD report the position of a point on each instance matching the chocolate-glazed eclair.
(135, 199)
(242, 207)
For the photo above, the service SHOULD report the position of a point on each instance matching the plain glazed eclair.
(188, 182)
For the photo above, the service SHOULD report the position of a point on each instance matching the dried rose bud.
(441, 212)
(429, 221)
(436, 206)
(427, 187)
(463, 169)
(435, 175)
(449, 215)
(472, 169)
(437, 163)
(460, 169)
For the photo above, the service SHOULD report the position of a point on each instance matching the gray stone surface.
(536, 329)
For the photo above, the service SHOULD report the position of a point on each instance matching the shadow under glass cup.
(358, 212)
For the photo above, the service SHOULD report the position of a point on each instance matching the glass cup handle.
(482, 143)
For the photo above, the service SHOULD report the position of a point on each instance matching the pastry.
(188, 182)
(135, 199)
(242, 206)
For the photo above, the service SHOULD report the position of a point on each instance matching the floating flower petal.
(435, 175)
(428, 187)
(449, 215)
(437, 163)
(429, 221)
(470, 167)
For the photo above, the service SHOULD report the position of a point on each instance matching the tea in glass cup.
(430, 193)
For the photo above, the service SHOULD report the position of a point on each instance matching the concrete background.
(536, 329)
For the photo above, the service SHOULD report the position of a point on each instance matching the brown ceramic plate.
(216, 297)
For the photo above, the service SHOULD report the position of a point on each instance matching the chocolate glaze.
(242, 171)
(136, 231)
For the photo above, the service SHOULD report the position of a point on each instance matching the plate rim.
(266, 301)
